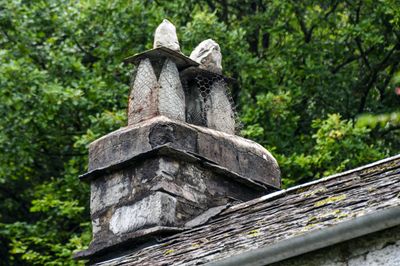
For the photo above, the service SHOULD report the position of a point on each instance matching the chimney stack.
(178, 158)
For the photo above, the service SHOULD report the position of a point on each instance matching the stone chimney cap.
(208, 55)
(165, 36)
(180, 59)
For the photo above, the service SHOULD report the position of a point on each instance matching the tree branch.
(307, 33)
(387, 80)
(351, 59)
(335, 5)
(370, 79)
(362, 52)
(90, 57)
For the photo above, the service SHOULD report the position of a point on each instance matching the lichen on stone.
(168, 251)
(317, 191)
(254, 233)
(330, 200)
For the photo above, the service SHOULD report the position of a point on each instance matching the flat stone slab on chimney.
(181, 60)
(236, 154)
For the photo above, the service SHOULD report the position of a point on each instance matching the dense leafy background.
(317, 88)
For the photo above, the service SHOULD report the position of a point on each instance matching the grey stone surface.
(156, 209)
(106, 192)
(220, 115)
(377, 249)
(206, 216)
(388, 255)
(193, 181)
(143, 97)
(208, 55)
(160, 190)
(171, 98)
(165, 36)
(157, 54)
(234, 153)
(189, 181)
(96, 227)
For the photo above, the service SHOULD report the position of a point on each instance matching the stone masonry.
(178, 160)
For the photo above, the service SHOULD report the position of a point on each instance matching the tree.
(306, 71)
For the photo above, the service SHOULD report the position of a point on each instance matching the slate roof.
(278, 216)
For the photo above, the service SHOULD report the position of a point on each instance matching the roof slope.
(278, 216)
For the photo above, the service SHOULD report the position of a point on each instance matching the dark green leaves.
(307, 73)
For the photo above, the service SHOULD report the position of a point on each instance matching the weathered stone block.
(165, 36)
(238, 155)
(105, 192)
(208, 55)
(156, 209)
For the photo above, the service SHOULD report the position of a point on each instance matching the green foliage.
(316, 87)
(382, 120)
(337, 145)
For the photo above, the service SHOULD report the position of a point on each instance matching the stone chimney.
(178, 160)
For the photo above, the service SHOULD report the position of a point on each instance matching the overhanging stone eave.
(181, 60)
(240, 156)
(167, 150)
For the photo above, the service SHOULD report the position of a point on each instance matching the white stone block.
(165, 36)
(208, 55)
(103, 195)
(155, 210)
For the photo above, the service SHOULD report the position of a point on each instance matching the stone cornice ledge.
(220, 150)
